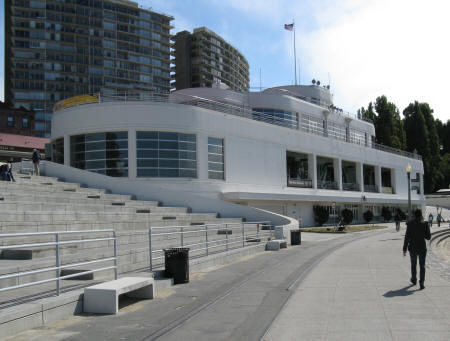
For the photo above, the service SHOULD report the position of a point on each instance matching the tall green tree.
(443, 130)
(388, 124)
(368, 115)
(385, 116)
(421, 135)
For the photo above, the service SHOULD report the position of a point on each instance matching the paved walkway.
(359, 291)
(362, 292)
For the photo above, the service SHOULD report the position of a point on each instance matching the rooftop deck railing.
(242, 111)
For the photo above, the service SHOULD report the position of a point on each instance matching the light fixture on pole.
(408, 172)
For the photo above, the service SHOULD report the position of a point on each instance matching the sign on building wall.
(73, 101)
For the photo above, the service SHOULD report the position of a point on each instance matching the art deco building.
(283, 150)
(58, 49)
(204, 59)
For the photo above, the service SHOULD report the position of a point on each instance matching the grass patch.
(348, 228)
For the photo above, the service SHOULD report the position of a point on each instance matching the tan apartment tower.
(58, 49)
(204, 59)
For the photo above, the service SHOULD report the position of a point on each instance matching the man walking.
(416, 233)
(36, 159)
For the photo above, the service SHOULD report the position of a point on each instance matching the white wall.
(255, 152)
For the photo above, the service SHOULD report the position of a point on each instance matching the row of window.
(158, 154)
(12, 122)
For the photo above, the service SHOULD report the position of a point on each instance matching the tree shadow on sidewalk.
(400, 292)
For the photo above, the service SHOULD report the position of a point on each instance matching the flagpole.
(295, 56)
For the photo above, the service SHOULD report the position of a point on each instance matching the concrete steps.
(45, 204)
(20, 206)
(63, 197)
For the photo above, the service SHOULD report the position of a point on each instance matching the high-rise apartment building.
(203, 58)
(55, 49)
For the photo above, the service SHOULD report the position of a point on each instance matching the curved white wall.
(255, 152)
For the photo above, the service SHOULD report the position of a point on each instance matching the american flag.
(289, 27)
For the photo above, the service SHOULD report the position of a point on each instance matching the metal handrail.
(207, 243)
(57, 243)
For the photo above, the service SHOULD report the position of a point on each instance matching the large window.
(11, 121)
(104, 153)
(216, 168)
(58, 150)
(166, 154)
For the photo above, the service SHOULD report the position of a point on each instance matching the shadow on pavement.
(400, 292)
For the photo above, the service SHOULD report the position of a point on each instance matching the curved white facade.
(256, 150)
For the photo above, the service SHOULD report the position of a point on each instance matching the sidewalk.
(362, 292)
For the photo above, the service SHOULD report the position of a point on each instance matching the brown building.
(18, 121)
(204, 59)
(17, 147)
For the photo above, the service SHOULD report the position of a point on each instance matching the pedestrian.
(9, 175)
(3, 170)
(439, 219)
(36, 159)
(397, 219)
(430, 220)
(416, 233)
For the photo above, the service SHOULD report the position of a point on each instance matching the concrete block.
(273, 245)
(279, 232)
(225, 231)
(17, 254)
(104, 298)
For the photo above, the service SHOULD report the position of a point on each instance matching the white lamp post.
(408, 172)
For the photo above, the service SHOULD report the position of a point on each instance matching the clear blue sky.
(366, 48)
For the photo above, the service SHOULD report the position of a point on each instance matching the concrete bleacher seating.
(43, 204)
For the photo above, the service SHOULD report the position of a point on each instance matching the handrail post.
(182, 236)
(206, 239)
(226, 235)
(150, 248)
(58, 264)
(115, 254)
(243, 235)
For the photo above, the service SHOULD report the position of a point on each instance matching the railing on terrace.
(371, 188)
(387, 189)
(237, 110)
(323, 184)
(304, 183)
(203, 240)
(350, 186)
(57, 244)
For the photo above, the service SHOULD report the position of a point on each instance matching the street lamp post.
(408, 172)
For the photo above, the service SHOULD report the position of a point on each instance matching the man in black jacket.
(416, 233)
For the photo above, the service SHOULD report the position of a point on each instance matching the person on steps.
(36, 159)
(416, 232)
(9, 175)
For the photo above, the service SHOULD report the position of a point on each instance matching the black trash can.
(177, 264)
(296, 238)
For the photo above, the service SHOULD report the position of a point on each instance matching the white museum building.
(284, 150)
